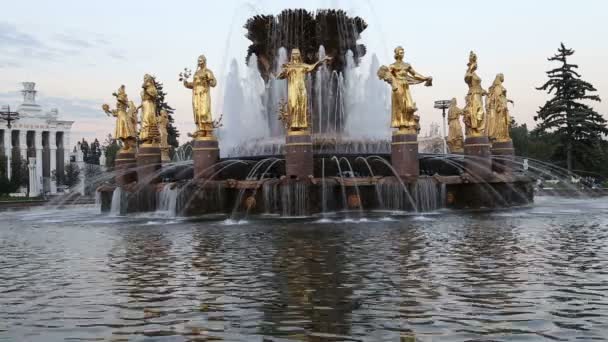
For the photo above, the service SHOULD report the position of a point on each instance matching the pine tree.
(577, 125)
(161, 104)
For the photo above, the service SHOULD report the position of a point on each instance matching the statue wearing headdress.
(455, 140)
(148, 133)
(400, 76)
(297, 99)
(125, 130)
(201, 85)
(499, 120)
(475, 118)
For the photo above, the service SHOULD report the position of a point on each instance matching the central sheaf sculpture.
(404, 147)
(205, 150)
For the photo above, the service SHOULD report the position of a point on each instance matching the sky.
(79, 52)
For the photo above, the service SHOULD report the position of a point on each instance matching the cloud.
(72, 40)
(10, 36)
(18, 48)
(117, 54)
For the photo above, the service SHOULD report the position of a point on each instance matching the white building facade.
(40, 137)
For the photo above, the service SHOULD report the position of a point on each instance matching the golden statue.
(125, 131)
(499, 120)
(201, 85)
(148, 133)
(455, 140)
(474, 116)
(297, 99)
(400, 75)
(163, 122)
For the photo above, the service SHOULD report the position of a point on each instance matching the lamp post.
(8, 116)
(443, 105)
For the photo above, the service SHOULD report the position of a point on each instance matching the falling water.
(367, 102)
(98, 200)
(116, 207)
(167, 200)
(427, 194)
(276, 91)
(270, 193)
(232, 110)
(294, 199)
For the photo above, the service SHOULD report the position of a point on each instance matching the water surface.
(533, 274)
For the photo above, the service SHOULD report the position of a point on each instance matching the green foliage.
(92, 179)
(577, 126)
(72, 175)
(111, 147)
(92, 152)
(20, 175)
(6, 186)
(3, 166)
(161, 104)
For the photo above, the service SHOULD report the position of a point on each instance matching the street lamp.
(443, 105)
(8, 116)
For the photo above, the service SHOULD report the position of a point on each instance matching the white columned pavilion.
(8, 146)
(33, 119)
(53, 160)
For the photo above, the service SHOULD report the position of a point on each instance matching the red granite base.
(477, 157)
(148, 164)
(503, 156)
(298, 155)
(404, 155)
(205, 154)
(124, 166)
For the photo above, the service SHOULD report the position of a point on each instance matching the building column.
(8, 151)
(23, 144)
(67, 148)
(34, 185)
(39, 163)
(53, 160)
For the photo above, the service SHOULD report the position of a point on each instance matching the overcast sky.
(79, 52)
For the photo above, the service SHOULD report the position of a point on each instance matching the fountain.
(308, 133)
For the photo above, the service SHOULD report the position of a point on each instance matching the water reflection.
(532, 274)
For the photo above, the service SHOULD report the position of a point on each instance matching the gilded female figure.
(124, 131)
(400, 75)
(149, 131)
(162, 122)
(499, 119)
(474, 112)
(201, 85)
(455, 139)
(297, 99)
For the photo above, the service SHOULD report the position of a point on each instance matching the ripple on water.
(506, 276)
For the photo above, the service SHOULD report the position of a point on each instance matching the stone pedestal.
(124, 166)
(298, 155)
(148, 163)
(477, 157)
(503, 156)
(205, 154)
(404, 155)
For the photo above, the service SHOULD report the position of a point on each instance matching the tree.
(578, 127)
(162, 104)
(20, 174)
(92, 179)
(6, 186)
(72, 175)
(111, 147)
